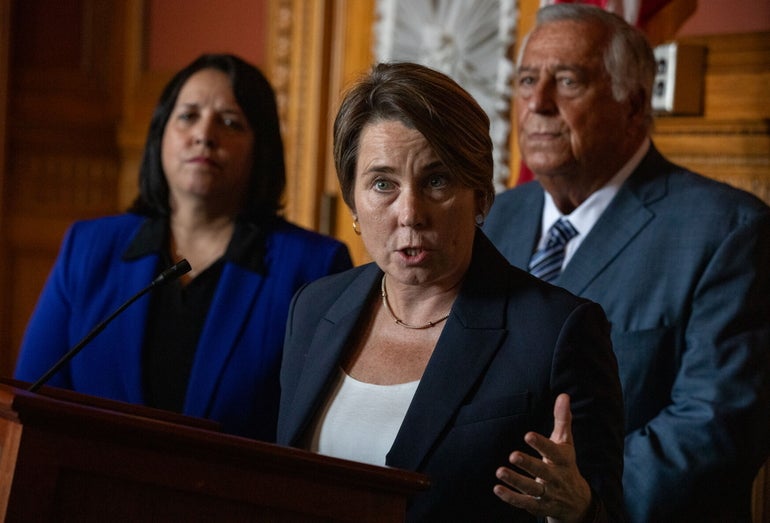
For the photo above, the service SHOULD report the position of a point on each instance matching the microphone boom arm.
(170, 274)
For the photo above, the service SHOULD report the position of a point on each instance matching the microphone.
(169, 275)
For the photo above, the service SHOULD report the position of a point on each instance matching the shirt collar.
(246, 248)
(587, 213)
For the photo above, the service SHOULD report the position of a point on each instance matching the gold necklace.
(397, 319)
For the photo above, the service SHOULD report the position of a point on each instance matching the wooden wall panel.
(61, 163)
(7, 356)
(730, 141)
(141, 89)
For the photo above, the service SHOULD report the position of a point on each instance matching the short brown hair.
(451, 121)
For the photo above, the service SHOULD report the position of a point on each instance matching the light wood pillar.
(314, 50)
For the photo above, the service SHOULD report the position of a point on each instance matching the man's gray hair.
(628, 56)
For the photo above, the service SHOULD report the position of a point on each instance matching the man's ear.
(637, 103)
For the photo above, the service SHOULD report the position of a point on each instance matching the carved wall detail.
(279, 60)
(297, 67)
(59, 183)
(469, 41)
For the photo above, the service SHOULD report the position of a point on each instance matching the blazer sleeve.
(45, 339)
(585, 367)
(717, 424)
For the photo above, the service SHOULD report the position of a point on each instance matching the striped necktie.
(546, 263)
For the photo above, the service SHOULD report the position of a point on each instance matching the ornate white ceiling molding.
(470, 41)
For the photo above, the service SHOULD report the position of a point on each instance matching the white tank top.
(359, 421)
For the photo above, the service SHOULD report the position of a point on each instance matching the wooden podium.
(67, 457)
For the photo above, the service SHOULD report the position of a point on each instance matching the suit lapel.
(617, 227)
(138, 274)
(230, 309)
(325, 350)
(471, 337)
(525, 218)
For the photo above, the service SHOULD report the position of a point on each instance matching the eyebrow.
(557, 68)
(378, 168)
(230, 111)
(438, 165)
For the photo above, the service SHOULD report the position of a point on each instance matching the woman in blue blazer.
(440, 357)
(208, 345)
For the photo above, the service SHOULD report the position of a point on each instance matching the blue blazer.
(234, 378)
(511, 344)
(681, 266)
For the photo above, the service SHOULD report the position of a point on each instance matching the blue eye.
(438, 181)
(233, 123)
(382, 185)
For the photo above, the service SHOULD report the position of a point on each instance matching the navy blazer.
(510, 345)
(234, 378)
(681, 266)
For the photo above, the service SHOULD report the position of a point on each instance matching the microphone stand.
(170, 274)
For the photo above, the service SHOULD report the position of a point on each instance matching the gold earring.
(356, 227)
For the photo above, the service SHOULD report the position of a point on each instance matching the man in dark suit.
(680, 263)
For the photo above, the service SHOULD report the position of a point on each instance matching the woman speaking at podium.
(439, 356)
